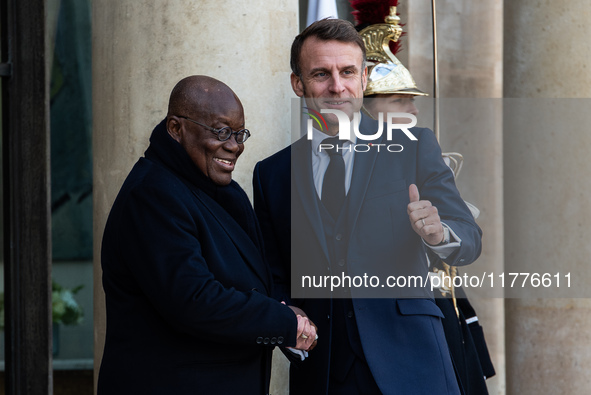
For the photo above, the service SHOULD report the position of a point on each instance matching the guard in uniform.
(391, 88)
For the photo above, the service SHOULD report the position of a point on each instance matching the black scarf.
(232, 198)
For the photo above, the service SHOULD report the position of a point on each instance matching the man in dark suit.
(389, 207)
(187, 290)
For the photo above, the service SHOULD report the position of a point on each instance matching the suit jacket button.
(259, 340)
(339, 237)
(280, 340)
(266, 341)
(273, 340)
(350, 314)
(341, 262)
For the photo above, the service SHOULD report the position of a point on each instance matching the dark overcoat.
(186, 285)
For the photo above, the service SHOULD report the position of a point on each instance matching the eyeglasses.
(224, 133)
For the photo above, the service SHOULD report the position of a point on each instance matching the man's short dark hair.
(325, 29)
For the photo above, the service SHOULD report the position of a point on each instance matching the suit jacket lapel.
(252, 256)
(362, 172)
(302, 187)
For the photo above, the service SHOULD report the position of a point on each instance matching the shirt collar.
(318, 137)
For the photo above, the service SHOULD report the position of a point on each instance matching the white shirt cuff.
(452, 243)
(303, 354)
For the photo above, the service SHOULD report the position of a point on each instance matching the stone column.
(546, 149)
(470, 42)
(141, 49)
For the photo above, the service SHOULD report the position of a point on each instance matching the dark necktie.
(333, 184)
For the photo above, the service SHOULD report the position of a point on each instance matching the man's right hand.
(300, 313)
(306, 339)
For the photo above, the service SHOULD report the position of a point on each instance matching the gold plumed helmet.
(386, 74)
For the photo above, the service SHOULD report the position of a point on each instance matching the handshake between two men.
(307, 336)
